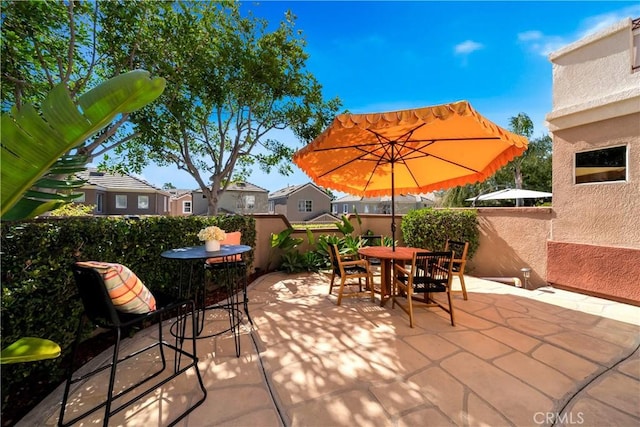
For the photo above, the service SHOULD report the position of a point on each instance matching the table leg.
(385, 281)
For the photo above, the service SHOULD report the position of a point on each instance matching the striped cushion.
(128, 293)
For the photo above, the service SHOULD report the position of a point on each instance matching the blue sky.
(385, 56)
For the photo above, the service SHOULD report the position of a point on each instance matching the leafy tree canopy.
(50, 43)
(231, 79)
(230, 82)
(531, 170)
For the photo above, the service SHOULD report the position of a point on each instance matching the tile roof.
(287, 191)
(245, 186)
(400, 198)
(241, 186)
(115, 181)
(177, 193)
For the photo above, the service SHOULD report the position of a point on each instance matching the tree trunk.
(212, 202)
(212, 196)
(518, 178)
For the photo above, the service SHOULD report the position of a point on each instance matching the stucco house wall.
(606, 213)
(109, 186)
(233, 200)
(592, 75)
(177, 203)
(594, 245)
(286, 202)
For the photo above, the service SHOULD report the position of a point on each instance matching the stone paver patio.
(514, 358)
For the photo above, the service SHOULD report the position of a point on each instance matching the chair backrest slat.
(459, 249)
(432, 267)
(95, 297)
(335, 258)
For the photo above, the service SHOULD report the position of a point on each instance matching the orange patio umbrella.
(408, 152)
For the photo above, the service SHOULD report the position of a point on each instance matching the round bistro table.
(228, 255)
(387, 257)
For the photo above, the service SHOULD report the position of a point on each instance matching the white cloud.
(543, 44)
(540, 43)
(467, 47)
(530, 35)
(596, 23)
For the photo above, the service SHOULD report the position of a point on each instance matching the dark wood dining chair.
(459, 250)
(347, 270)
(429, 272)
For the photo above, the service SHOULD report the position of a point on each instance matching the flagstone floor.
(515, 358)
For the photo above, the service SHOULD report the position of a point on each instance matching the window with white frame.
(121, 201)
(80, 198)
(334, 208)
(99, 202)
(186, 207)
(345, 208)
(603, 165)
(305, 206)
(249, 202)
(272, 206)
(143, 202)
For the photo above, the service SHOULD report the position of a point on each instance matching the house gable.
(300, 202)
(239, 198)
(119, 194)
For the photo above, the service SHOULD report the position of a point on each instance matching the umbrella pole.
(393, 205)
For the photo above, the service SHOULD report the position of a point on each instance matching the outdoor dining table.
(228, 254)
(387, 257)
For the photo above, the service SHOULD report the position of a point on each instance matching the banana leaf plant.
(34, 146)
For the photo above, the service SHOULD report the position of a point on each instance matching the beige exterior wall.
(233, 201)
(176, 205)
(229, 202)
(264, 256)
(592, 78)
(595, 234)
(510, 238)
(320, 201)
(605, 213)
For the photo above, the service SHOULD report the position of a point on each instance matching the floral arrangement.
(212, 233)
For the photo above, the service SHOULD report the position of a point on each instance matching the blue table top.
(199, 252)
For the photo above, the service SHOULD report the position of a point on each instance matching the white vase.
(212, 245)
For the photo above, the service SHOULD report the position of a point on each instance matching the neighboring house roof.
(401, 198)
(324, 217)
(245, 186)
(176, 194)
(115, 181)
(288, 191)
(347, 198)
(241, 186)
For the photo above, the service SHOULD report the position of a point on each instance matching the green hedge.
(430, 228)
(38, 292)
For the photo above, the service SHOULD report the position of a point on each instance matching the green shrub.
(430, 228)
